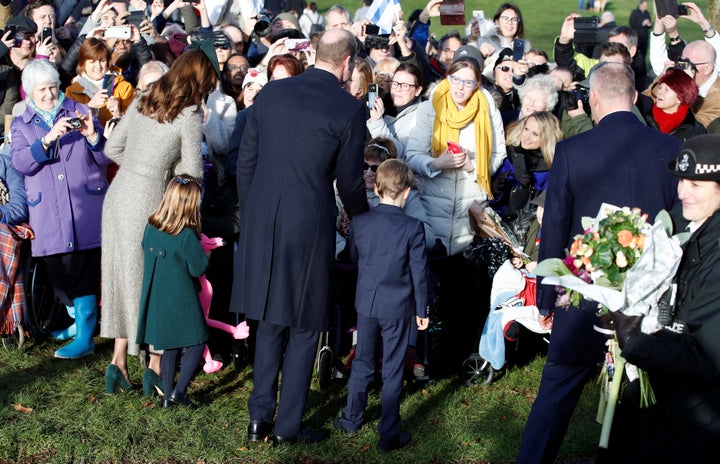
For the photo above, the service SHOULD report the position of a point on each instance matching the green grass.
(72, 420)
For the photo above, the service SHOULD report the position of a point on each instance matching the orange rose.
(625, 238)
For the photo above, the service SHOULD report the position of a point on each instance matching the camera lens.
(262, 27)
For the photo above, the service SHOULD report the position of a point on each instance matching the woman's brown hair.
(190, 79)
(180, 206)
(92, 49)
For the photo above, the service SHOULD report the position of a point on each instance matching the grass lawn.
(73, 420)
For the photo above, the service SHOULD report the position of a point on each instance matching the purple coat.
(65, 186)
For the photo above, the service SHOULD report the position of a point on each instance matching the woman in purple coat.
(58, 146)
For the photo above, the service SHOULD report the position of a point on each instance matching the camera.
(586, 30)
(75, 123)
(263, 26)
(569, 98)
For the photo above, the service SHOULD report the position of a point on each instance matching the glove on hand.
(623, 325)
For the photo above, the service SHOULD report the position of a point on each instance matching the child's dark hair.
(392, 178)
(379, 149)
(180, 206)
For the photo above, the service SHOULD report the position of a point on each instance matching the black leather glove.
(525, 179)
(498, 185)
(623, 325)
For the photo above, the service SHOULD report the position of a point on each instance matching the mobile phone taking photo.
(372, 95)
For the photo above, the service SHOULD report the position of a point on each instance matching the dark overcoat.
(621, 162)
(170, 312)
(286, 165)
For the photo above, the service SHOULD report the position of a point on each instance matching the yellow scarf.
(449, 120)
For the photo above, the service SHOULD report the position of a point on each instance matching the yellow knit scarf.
(449, 120)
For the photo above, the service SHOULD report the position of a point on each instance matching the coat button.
(161, 253)
(152, 249)
(69, 245)
(61, 177)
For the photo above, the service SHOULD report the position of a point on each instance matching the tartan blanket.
(13, 310)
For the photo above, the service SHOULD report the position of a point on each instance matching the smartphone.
(518, 49)
(372, 94)
(479, 15)
(46, 32)
(117, 32)
(682, 10)
(108, 83)
(454, 148)
(372, 29)
(296, 45)
(135, 17)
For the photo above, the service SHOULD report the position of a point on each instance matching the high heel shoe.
(114, 379)
(152, 383)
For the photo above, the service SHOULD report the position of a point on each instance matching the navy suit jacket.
(389, 247)
(621, 162)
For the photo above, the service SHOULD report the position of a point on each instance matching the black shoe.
(167, 404)
(180, 399)
(337, 425)
(400, 440)
(259, 430)
(305, 435)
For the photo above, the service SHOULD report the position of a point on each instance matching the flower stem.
(612, 400)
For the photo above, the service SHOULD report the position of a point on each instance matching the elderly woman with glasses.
(58, 146)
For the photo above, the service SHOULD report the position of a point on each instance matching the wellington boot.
(85, 320)
(69, 332)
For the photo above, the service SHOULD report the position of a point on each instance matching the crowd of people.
(308, 141)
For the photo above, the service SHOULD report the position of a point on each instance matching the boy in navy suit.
(389, 247)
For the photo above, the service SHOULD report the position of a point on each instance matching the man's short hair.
(616, 48)
(613, 81)
(453, 34)
(335, 51)
(338, 9)
(627, 31)
(392, 178)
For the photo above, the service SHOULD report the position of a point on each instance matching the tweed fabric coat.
(170, 312)
(148, 153)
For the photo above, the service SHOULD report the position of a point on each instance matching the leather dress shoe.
(306, 435)
(397, 442)
(178, 399)
(259, 430)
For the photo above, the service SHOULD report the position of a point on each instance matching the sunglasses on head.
(372, 167)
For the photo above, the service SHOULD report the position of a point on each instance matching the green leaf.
(663, 217)
(552, 267)
(587, 222)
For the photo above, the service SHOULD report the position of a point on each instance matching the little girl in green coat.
(171, 318)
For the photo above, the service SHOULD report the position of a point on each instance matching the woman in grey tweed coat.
(157, 138)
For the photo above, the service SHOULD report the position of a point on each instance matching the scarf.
(669, 122)
(449, 120)
(47, 115)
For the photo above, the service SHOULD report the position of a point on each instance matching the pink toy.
(239, 331)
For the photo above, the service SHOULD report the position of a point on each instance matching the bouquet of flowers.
(625, 264)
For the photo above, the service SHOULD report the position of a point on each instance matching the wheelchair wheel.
(476, 371)
(324, 367)
(42, 305)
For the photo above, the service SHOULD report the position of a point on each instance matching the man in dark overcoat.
(621, 162)
(302, 133)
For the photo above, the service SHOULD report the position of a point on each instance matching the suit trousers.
(395, 334)
(295, 349)
(560, 389)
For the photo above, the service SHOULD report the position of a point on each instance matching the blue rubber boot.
(69, 332)
(85, 320)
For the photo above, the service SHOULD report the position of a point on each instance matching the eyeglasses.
(234, 67)
(372, 167)
(404, 86)
(505, 68)
(448, 50)
(510, 19)
(467, 83)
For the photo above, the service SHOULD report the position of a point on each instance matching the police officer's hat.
(699, 159)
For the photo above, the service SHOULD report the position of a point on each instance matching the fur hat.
(683, 85)
(699, 159)
(256, 75)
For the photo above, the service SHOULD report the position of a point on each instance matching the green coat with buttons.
(170, 312)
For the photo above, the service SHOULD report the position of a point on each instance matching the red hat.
(683, 85)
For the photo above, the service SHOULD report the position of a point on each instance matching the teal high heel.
(152, 383)
(114, 380)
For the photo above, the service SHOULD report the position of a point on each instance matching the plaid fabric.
(12, 289)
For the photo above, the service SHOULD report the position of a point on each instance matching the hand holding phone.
(372, 94)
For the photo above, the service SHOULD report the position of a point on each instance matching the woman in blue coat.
(58, 146)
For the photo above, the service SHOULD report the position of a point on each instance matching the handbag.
(485, 223)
